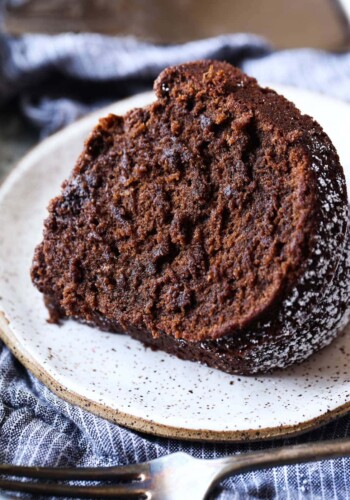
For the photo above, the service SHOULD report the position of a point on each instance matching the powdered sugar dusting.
(317, 308)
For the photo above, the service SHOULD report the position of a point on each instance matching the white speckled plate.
(114, 375)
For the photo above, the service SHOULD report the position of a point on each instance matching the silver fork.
(173, 477)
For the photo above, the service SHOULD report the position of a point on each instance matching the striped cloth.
(56, 79)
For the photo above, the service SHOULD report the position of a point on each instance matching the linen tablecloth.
(56, 79)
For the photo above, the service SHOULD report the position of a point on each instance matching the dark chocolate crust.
(211, 224)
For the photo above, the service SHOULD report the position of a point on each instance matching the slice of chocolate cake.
(210, 224)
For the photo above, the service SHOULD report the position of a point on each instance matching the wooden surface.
(286, 23)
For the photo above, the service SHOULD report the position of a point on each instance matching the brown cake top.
(193, 216)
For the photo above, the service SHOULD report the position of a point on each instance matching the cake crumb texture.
(211, 224)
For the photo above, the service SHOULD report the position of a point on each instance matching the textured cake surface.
(211, 224)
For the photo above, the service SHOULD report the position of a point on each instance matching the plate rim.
(130, 421)
(149, 426)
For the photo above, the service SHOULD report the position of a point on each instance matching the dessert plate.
(118, 378)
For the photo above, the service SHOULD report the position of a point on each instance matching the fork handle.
(301, 453)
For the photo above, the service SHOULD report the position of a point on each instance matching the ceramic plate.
(115, 376)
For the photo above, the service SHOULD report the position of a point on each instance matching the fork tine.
(124, 472)
(132, 490)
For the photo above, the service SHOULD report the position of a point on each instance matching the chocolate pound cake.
(211, 224)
